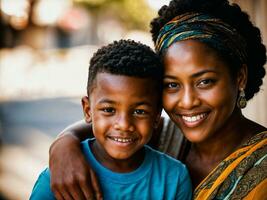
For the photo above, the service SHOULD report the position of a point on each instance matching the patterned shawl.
(242, 175)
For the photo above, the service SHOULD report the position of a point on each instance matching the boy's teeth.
(194, 118)
(123, 140)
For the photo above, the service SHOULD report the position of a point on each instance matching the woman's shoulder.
(258, 137)
(258, 133)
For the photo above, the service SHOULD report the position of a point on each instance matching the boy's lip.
(123, 139)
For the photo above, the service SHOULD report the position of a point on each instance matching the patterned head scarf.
(212, 31)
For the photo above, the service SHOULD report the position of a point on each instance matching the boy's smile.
(124, 111)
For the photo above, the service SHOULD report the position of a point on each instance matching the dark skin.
(62, 182)
(202, 89)
(200, 86)
(121, 107)
(194, 160)
(82, 183)
(202, 159)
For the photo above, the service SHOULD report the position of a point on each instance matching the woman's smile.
(190, 120)
(194, 120)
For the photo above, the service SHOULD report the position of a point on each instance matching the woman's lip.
(192, 120)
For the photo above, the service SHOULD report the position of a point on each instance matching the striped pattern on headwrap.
(198, 26)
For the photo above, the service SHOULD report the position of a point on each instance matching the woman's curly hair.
(234, 16)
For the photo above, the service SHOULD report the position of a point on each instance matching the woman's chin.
(195, 136)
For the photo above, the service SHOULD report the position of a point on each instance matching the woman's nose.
(188, 98)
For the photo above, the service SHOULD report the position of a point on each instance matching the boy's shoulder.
(167, 169)
(164, 159)
(155, 161)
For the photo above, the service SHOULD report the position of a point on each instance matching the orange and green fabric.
(204, 28)
(242, 175)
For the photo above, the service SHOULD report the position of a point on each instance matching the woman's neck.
(205, 156)
(226, 140)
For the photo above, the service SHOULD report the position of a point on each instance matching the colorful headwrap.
(205, 28)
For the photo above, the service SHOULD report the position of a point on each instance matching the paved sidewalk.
(27, 130)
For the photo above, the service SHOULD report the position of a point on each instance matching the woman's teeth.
(194, 118)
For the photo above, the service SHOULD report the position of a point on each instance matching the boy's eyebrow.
(143, 103)
(113, 102)
(106, 101)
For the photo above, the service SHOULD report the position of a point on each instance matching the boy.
(124, 106)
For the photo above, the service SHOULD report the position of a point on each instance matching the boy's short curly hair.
(126, 57)
(232, 15)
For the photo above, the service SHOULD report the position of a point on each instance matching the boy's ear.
(86, 109)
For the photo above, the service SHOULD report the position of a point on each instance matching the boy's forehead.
(121, 83)
(120, 80)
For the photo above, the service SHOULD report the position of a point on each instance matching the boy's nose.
(124, 123)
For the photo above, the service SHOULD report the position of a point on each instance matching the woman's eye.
(206, 82)
(171, 85)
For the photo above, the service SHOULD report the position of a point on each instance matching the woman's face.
(199, 92)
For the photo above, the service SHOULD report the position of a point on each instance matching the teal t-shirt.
(158, 177)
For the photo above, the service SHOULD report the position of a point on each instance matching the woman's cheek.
(168, 101)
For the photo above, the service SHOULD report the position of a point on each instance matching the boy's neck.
(121, 166)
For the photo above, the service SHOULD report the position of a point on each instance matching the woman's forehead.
(184, 51)
(192, 57)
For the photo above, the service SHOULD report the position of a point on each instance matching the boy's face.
(124, 111)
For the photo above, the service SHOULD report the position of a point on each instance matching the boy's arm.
(70, 173)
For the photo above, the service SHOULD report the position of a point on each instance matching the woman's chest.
(199, 169)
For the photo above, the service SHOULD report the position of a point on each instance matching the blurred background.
(45, 48)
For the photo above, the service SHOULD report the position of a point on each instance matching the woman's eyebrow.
(169, 76)
(200, 73)
(197, 74)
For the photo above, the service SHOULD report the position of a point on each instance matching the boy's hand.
(71, 176)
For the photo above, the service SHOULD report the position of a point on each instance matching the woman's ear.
(86, 109)
(242, 77)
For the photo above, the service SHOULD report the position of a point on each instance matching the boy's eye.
(109, 110)
(139, 112)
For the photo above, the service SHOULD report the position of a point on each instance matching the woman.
(213, 58)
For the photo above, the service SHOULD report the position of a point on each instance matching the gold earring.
(241, 101)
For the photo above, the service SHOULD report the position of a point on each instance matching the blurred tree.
(134, 14)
